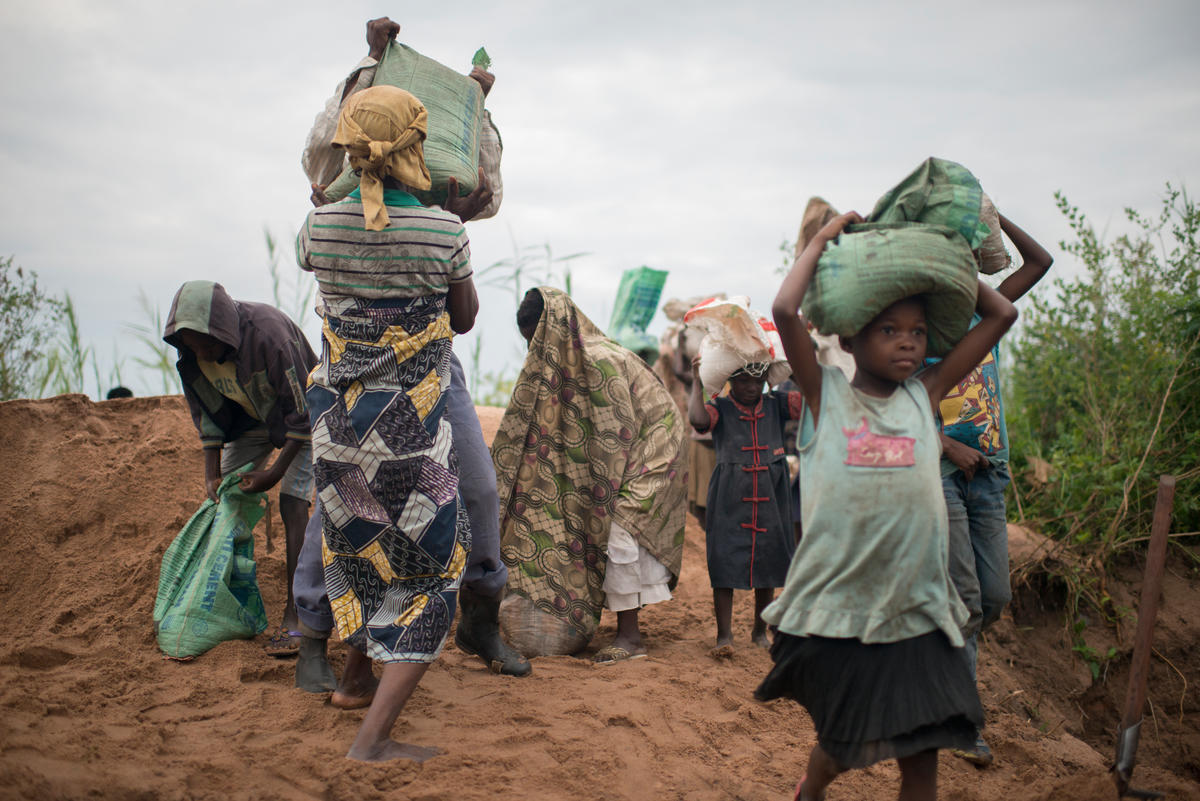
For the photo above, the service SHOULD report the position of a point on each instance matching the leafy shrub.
(28, 319)
(1105, 383)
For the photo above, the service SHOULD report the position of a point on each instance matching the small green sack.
(207, 586)
(455, 106)
(637, 300)
(937, 192)
(873, 265)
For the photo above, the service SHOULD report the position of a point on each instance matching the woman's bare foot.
(388, 750)
(759, 638)
(358, 684)
(354, 695)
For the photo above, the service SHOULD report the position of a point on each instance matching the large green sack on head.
(873, 265)
(455, 106)
(937, 192)
(207, 587)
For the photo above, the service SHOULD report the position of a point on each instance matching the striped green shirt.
(421, 252)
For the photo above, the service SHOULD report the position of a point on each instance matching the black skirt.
(879, 701)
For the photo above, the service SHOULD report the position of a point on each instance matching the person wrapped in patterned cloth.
(395, 285)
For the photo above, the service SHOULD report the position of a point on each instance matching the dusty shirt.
(223, 377)
(873, 561)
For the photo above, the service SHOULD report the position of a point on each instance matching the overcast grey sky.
(146, 144)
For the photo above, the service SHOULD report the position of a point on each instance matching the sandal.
(612, 654)
(283, 643)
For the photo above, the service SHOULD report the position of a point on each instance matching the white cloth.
(633, 578)
(323, 163)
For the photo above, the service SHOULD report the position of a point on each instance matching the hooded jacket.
(272, 358)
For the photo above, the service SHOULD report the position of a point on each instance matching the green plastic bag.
(873, 265)
(937, 192)
(455, 106)
(637, 300)
(207, 586)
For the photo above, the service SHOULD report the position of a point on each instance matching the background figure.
(749, 535)
(975, 472)
(119, 392)
(589, 459)
(243, 367)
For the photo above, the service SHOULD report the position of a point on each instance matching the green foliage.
(68, 359)
(161, 359)
(1105, 383)
(28, 317)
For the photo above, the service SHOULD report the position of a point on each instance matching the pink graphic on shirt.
(864, 449)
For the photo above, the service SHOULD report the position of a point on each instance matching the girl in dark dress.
(748, 525)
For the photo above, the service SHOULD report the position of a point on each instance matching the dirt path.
(95, 492)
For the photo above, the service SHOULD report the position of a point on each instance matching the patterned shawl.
(590, 436)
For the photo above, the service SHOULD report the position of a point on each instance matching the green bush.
(1105, 383)
(28, 320)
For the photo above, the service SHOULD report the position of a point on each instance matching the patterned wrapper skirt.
(396, 536)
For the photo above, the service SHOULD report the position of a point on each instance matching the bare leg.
(701, 518)
(294, 512)
(374, 742)
(723, 611)
(629, 636)
(918, 776)
(358, 685)
(821, 771)
(762, 597)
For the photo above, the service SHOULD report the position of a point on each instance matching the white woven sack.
(734, 337)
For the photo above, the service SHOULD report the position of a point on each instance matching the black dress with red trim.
(748, 530)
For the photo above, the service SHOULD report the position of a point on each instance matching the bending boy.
(243, 367)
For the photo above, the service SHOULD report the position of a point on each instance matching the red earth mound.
(96, 492)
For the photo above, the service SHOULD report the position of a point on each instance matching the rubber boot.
(478, 633)
(313, 671)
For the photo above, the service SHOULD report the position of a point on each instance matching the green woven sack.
(937, 192)
(637, 300)
(455, 106)
(207, 587)
(873, 265)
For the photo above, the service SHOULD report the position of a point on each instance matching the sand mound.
(94, 494)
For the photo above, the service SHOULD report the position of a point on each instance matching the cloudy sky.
(146, 144)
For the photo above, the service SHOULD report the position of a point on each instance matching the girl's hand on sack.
(964, 457)
(834, 227)
(211, 486)
(257, 481)
(696, 364)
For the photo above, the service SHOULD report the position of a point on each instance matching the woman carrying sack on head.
(395, 285)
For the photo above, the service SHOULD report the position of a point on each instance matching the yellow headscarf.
(381, 129)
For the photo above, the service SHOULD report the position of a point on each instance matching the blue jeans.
(978, 548)
(485, 573)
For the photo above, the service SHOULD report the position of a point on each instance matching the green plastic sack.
(207, 586)
(455, 106)
(637, 300)
(937, 192)
(873, 265)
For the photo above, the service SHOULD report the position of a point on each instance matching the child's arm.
(793, 331)
(997, 315)
(1035, 261)
(964, 457)
(697, 411)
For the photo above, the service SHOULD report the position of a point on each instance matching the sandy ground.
(95, 493)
